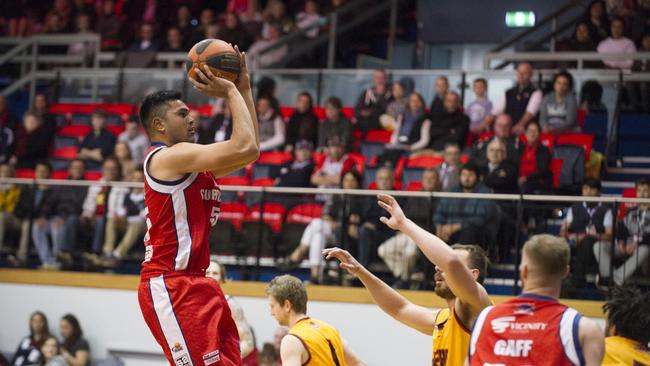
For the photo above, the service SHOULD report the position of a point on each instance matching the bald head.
(524, 74)
(502, 126)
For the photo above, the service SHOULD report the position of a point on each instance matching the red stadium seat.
(424, 162)
(93, 175)
(623, 208)
(581, 116)
(485, 135)
(204, 110)
(379, 136)
(273, 215)
(414, 186)
(233, 212)
(556, 169)
(286, 112)
(581, 139)
(66, 153)
(548, 140)
(60, 174)
(63, 108)
(78, 131)
(348, 112)
(263, 182)
(318, 158)
(359, 161)
(26, 173)
(319, 112)
(304, 214)
(234, 181)
(464, 158)
(274, 158)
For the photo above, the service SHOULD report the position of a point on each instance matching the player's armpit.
(592, 341)
(291, 350)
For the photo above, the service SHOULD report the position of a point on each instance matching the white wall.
(111, 320)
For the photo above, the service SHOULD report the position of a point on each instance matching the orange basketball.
(218, 55)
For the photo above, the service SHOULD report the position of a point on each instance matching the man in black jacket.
(499, 173)
(449, 126)
(58, 216)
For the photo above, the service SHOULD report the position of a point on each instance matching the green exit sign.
(517, 19)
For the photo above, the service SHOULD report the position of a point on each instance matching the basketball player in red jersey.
(534, 328)
(186, 312)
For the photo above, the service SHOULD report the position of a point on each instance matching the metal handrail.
(561, 56)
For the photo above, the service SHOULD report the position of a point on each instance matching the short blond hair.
(549, 254)
(287, 287)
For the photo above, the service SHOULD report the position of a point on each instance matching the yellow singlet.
(624, 351)
(450, 340)
(322, 341)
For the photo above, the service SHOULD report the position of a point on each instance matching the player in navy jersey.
(186, 312)
(534, 328)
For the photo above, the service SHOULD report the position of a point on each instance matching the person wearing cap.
(298, 172)
(98, 144)
(328, 174)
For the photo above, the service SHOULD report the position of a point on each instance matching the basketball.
(218, 55)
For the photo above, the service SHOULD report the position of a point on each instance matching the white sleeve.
(500, 107)
(535, 102)
(608, 220)
(90, 203)
(425, 136)
(278, 137)
(569, 216)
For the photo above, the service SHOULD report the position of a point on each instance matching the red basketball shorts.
(190, 319)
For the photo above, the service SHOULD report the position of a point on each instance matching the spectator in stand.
(591, 97)
(32, 142)
(581, 40)
(219, 129)
(335, 124)
(303, 124)
(205, 20)
(271, 125)
(9, 197)
(184, 25)
(275, 15)
(29, 348)
(6, 143)
(309, 17)
(30, 202)
(298, 172)
(559, 108)
(643, 88)
(585, 224)
(122, 153)
(41, 108)
(137, 140)
(521, 102)
(372, 102)
(412, 130)
(268, 356)
(438, 102)
(499, 174)
(98, 203)
(372, 231)
(129, 219)
(109, 26)
(397, 105)
(400, 253)
(450, 168)
(632, 242)
(234, 32)
(328, 175)
(479, 109)
(534, 162)
(449, 126)
(617, 44)
(174, 41)
(465, 220)
(7, 119)
(85, 49)
(74, 347)
(51, 351)
(596, 19)
(217, 272)
(98, 144)
(147, 41)
(58, 217)
(59, 17)
(272, 57)
(327, 229)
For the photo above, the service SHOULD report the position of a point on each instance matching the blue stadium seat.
(634, 134)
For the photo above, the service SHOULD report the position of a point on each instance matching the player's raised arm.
(592, 341)
(244, 86)
(458, 276)
(389, 300)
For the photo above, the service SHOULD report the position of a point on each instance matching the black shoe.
(286, 264)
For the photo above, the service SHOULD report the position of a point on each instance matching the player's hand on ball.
(397, 217)
(244, 80)
(210, 84)
(348, 262)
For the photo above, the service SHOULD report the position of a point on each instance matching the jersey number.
(214, 215)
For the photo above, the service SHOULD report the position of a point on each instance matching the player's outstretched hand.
(397, 217)
(244, 80)
(348, 262)
(210, 84)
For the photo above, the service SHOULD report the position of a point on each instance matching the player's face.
(278, 311)
(441, 288)
(180, 126)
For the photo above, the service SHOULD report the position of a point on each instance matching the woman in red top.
(534, 162)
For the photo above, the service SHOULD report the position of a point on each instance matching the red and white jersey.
(180, 215)
(526, 330)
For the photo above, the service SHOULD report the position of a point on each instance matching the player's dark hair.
(289, 288)
(628, 310)
(478, 259)
(155, 105)
(77, 333)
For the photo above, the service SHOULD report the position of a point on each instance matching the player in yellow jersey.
(310, 341)
(628, 328)
(460, 270)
